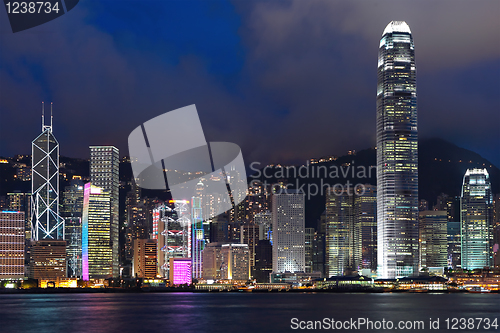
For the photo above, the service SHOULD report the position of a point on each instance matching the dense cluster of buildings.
(381, 231)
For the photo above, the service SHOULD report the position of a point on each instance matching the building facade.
(172, 227)
(145, 263)
(72, 210)
(48, 259)
(365, 228)
(433, 238)
(339, 231)
(97, 250)
(235, 263)
(12, 240)
(397, 154)
(288, 214)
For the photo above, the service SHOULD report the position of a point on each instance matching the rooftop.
(397, 26)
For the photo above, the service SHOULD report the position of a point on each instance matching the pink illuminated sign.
(181, 271)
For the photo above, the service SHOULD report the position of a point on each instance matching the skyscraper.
(433, 238)
(104, 173)
(397, 155)
(173, 232)
(476, 216)
(45, 221)
(97, 261)
(339, 231)
(11, 245)
(288, 231)
(365, 228)
(72, 209)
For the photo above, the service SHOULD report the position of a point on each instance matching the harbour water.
(238, 312)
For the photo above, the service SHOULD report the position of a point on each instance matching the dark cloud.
(285, 80)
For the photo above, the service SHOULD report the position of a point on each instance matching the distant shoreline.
(191, 290)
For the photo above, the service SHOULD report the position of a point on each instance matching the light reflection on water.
(226, 312)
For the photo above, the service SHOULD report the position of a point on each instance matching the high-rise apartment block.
(397, 154)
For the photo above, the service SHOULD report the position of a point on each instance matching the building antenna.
(42, 116)
(51, 115)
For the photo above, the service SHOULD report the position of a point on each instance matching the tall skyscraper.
(173, 232)
(11, 245)
(339, 231)
(104, 173)
(72, 210)
(476, 217)
(250, 235)
(45, 220)
(97, 260)
(288, 213)
(397, 155)
(365, 228)
(198, 236)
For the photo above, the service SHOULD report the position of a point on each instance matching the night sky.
(285, 80)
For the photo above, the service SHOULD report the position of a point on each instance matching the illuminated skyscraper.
(172, 226)
(45, 220)
(235, 262)
(476, 216)
(433, 238)
(198, 236)
(288, 231)
(145, 254)
(12, 245)
(72, 209)
(397, 155)
(365, 228)
(97, 260)
(339, 231)
(104, 173)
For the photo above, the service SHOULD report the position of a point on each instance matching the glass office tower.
(45, 220)
(104, 173)
(476, 214)
(397, 158)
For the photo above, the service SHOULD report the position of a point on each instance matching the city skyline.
(315, 196)
(259, 80)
